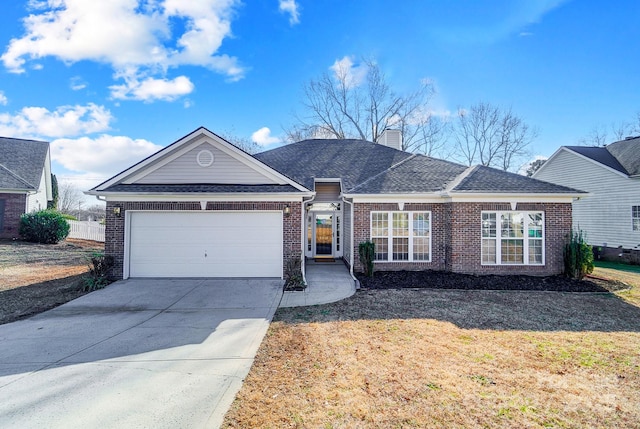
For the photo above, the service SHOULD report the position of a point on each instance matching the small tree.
(578, 256)
(367, 251)
(53, 204)
(45, 226)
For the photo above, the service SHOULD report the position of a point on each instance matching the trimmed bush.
(45, 226)
(578, 256)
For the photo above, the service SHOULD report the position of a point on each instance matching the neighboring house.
(201, 207)
(610, 214)
(25, 181)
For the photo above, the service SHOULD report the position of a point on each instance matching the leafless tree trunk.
(70, 199)
(488, 135)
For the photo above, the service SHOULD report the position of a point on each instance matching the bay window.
(512, 238)
(401, 236)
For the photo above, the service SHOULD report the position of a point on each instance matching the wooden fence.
(86, 230)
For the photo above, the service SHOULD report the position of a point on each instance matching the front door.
(323, 234)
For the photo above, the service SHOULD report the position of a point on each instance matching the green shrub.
(367, 251)
(45, 226)
(578, 256)
(99, 267)
(68, 216)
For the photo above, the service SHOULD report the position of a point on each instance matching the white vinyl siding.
(38, 201)
(225, 169)
(205, 244)
(401, 236)
(605, 214)
(512, 238)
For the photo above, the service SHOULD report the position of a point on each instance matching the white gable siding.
(224, 170)
(38, 201)
(606, 214)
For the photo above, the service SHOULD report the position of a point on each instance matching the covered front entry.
(324, 231)
(204, 244)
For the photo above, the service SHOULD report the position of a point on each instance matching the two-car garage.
(203, 244)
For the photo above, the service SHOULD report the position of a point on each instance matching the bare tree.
(489, 135)
(241, 142)
(342, 106)
(601, 135)
(70, 198)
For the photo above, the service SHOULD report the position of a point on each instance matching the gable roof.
(21, 163)
(141, 178)
(622, 156)
(370, 168)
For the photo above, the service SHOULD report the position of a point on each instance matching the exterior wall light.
(116, 211)
(287, 211)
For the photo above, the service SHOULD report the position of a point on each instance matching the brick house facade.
(456, 238)
(326, 191)
(14, 206)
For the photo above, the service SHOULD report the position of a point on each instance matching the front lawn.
(407, 358)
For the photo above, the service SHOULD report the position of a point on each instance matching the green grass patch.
(618, 266)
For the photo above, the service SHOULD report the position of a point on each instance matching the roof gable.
(200, 158)
(600, 155)
(22, 163)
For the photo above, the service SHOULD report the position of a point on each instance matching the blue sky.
(108, 83)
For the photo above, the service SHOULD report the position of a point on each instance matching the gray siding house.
(610, 213)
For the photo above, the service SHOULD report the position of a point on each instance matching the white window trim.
(633, 218)
(525, 238)
(389, 236)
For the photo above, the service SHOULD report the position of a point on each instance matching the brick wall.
(114, 232)
(362, 232)
(456, 237)
(14, 207)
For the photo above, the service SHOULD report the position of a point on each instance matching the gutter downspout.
(355, 280)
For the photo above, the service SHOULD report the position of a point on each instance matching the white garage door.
(205, 244)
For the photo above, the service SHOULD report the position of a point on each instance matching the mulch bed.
(446, 280)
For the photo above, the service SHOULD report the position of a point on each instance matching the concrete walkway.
(326, 282)
(161, 353)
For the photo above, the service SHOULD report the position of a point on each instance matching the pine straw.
(434, 358)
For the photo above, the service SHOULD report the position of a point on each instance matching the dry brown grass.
(630, 278)
(436, 358)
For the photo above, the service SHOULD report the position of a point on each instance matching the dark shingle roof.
(370, 168)
(622, 156)
(417, 174)
(491, 180)
(201, 188)
(354, 161)
(599, 154)
(21, 163)
(627, 152)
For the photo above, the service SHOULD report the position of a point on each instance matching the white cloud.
(100, 157)
(64, 121)
(133, 36)
(151, 89)
(347, 71)
(290, 7)
(3, 99)
(76, 83)
(263, 137)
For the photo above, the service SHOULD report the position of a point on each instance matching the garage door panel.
(209, 244)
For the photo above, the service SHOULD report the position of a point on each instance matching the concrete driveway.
(142, 353)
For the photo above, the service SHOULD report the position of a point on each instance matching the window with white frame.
(512, 238)
(635, 217)
(401, 236)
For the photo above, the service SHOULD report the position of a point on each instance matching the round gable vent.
(205, 158)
